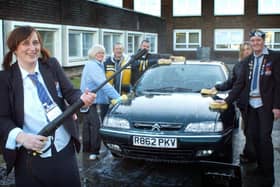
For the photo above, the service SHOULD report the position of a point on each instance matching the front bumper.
(186, 151)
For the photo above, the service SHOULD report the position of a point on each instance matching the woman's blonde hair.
(241, 49)
(94, 50)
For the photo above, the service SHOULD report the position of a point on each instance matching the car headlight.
(205, 126)
(116, 122)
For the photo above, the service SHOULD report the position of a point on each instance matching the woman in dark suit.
(33, 92)
(245, 51)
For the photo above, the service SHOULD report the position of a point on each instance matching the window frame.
(227, 29)
(141, 37)
(55, 28)
(185, 14)
(270, 11)
(229, 14)
(186, 31)
(156, 41)
(105, 3)
(111, 31)
(77, 60)
(271, 30)
(148, 13)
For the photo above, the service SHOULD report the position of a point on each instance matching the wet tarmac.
(110, 171)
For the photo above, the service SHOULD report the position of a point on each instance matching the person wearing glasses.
(260, 80)
(93, 75)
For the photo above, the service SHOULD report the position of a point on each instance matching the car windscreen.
(180, 78)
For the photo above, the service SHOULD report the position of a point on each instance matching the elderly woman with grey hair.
(92, 76)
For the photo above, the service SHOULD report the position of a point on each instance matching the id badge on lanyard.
(52, 112)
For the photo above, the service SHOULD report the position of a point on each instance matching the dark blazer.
(12, 106)
(228, 84)
(148, 60)
(269, 80)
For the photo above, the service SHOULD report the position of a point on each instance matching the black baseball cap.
(258, 33)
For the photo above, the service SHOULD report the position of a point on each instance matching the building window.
(133, 42)
(228, 7)
(111, 37)
(79, 41)
(228, 39)
(268, 7)
(153, 39)
(186, 40)
(1, 44)
(272, 38)
(151, 7)
(48, 40)
(186, 7)
(117, 3)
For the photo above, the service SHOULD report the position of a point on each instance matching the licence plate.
(145, 141)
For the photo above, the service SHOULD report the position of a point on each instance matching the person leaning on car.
(93, 75)
(260, 80)
(244, 51)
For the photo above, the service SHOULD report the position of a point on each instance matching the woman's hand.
(31, 141)
(88, 98)
(276, 113)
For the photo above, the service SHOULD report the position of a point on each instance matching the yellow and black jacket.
(122, 81)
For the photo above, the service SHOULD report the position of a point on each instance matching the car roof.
(213, 62)
(200, 62)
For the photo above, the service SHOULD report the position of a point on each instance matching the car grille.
(158, 126)
(158, 154)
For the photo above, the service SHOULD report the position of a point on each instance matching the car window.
(180, 78)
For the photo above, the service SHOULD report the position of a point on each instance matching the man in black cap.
(260, 80)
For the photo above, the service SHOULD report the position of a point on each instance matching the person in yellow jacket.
(112, 64)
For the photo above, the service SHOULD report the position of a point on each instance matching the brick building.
(180, 27)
